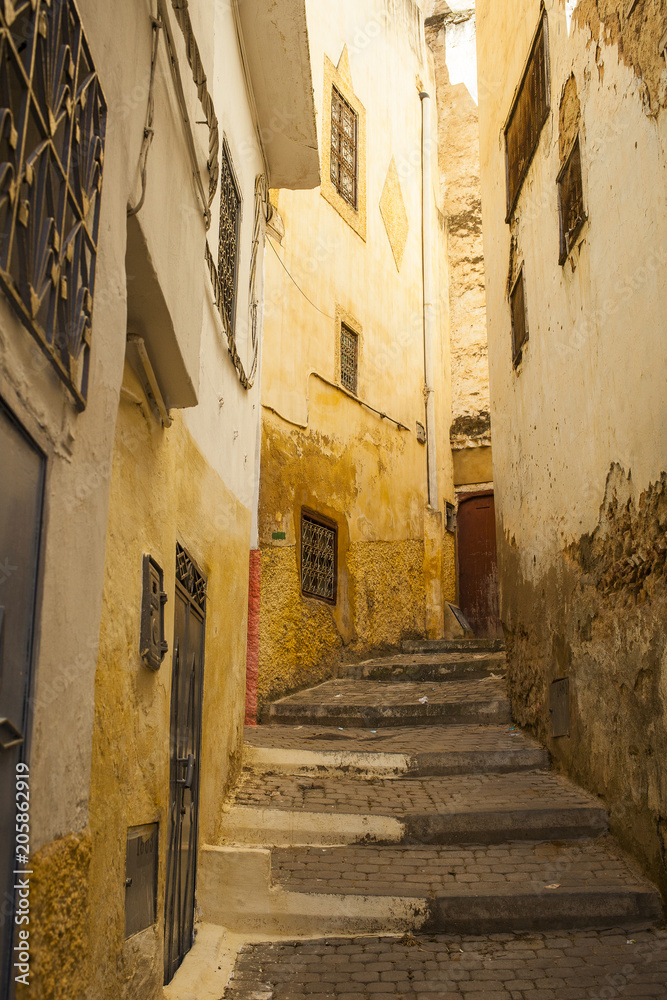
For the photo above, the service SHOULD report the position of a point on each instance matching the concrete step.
(375, 704)
(452, 645)
(368, 889)
(430, 667)
(287, 810)
(417, 751)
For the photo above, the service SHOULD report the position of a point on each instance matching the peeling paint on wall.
(635, 29)
(597, 616)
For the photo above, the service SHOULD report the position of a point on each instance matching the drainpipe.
(429, 304)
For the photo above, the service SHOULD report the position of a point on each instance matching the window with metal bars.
(319, 544)
(228, 240)
(529, 112)
(349, 357)
(570, 201)
(344, 133)
(519, 321)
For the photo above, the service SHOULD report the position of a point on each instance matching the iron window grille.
(190, 577)
(349, 358)
(519, 319)
(570, 201)
(319, 545)
(529, 112)
(228, 240)
(52, 132)
(344, 153)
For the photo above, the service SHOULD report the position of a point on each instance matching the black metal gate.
(185, 742)
(22, 468)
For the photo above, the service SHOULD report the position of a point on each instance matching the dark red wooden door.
(478, 570)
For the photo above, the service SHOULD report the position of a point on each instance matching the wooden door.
(477, 565)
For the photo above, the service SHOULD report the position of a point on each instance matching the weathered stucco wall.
(320, 447)
(451, 37)
(580, 425)
(162, 490)
(195, 481)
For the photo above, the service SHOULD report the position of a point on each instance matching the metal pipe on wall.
(429, 303)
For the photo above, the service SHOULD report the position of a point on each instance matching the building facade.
(356, 554)
(573, 140)
(139, 143)
(450, 32)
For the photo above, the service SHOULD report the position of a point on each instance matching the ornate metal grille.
(343, 148)
(349, 353)
(190, 578)
(52, 130)
(228, 240)
(318, 558)
(528, 115)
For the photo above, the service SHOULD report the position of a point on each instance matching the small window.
(570, 201)
(319, 537)
(519, 322)
(344, 128)
(228, 241)
(349, 356)
(530, 111)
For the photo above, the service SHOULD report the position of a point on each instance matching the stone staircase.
(402, 799)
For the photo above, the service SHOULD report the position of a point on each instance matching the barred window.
(319, 538)
(349, 356)
(344, 129)
(530, 111)
(519, 322)
(570, 201)
(228, 241)
(52, 135)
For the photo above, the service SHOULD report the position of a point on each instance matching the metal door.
(477, 566)
(21, 498)
(185, 742)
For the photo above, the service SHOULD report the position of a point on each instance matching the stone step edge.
(452, 645)
(362, 716)
(266, 826)
(234, 889)
(365, 764)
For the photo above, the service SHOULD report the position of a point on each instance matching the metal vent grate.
(344, 148)
(349, 355)
(318, 558)
(52, 131)
(228, 239)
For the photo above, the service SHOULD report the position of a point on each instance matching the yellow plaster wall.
(320, 447)
(472, 465)
(162, 490)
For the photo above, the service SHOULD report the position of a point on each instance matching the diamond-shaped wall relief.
(394, 215)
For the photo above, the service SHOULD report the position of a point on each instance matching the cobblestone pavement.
(397, 693)
(608, 965)
(414, 796)
(397, 739)
(414, 871)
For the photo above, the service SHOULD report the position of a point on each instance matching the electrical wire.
(289, 275)
(150, 112)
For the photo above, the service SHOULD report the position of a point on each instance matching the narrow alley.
(333, 499)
